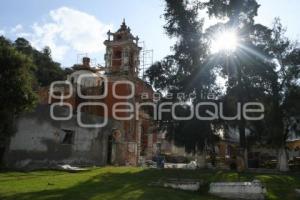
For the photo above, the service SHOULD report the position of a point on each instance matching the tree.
(46, 70)
(185, 71)
(266, 68)
(16, 80)
(263, 68)
(249, 69)
(284, 97)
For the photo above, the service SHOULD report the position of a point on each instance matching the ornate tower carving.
(122, 52)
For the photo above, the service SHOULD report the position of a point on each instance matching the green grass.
(128, 183)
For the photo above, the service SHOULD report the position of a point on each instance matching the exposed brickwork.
(122, 63)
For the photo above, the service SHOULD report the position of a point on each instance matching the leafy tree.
(185, 71)
(251, 70)
(248, 68)
(284, 96)
(46, 70)
(265, 67)
(16, 80)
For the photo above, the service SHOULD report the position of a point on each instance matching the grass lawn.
(127, 183)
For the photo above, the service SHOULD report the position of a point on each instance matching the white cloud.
(2, 32)
(68, 29)
(17, 28)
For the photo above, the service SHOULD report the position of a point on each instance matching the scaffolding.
(145, 57)
(146, 60)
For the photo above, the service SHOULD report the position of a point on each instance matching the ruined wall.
(46, 145)
(41, 142)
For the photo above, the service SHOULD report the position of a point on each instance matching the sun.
(226, 41)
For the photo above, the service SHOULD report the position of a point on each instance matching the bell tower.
(122, 52)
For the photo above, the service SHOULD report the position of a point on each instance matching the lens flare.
(224, 41)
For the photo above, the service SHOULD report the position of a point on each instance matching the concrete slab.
(238, 190)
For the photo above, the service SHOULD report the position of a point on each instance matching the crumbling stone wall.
(39, 142)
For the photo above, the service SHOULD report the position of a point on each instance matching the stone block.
(185, 184)
(238, 190)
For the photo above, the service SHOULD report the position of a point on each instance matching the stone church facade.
(41, 141)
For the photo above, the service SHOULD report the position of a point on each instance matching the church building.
(63, 129)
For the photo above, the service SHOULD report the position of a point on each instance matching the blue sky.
(72, 27)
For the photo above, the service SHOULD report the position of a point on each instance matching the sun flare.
(224, 41)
